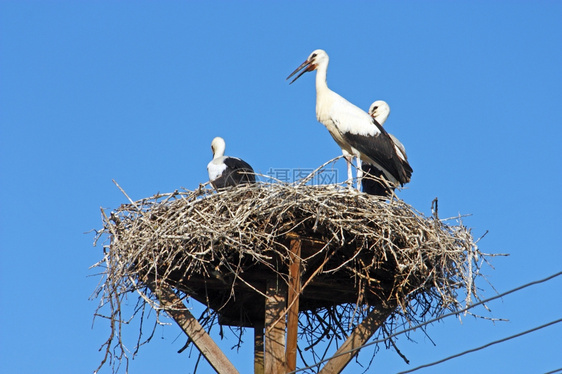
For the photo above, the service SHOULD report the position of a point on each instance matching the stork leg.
(359, 174)
(349, 161)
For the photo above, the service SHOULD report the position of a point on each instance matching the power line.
(482, 347)
(555, 371)
(432, 320)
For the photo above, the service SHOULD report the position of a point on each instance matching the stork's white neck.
(218, 154)
(218, 148)
(381, 118)
(321, 83)
(324, 99)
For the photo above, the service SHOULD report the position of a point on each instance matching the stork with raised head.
(380, 111)
(357, 134)
(225, 171)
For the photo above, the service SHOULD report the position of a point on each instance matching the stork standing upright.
(357, 134)
(225, 171)
(380, 111)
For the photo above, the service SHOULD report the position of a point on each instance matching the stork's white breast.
(216, 167)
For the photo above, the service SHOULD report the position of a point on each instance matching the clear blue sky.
(135, 91)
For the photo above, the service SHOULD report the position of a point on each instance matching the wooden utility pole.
(272, 352)
(293, 305)
(258, 348)
(274, 360)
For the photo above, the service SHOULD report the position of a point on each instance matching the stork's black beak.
(307, 66)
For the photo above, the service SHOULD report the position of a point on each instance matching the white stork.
(357, 134)
(380, 110)
(227, 171)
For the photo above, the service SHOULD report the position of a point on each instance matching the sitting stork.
(225, 171)
(357, 134)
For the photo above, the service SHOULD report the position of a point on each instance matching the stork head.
(379, 110)
(316, 58)
(218, 146)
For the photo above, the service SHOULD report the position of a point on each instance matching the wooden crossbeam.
(360, 335)
(192, 328)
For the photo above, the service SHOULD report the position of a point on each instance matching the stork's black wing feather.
(238, 171)
(380, 148)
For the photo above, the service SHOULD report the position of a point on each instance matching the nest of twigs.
(359, 252)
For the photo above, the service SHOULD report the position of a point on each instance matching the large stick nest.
(359, 252)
